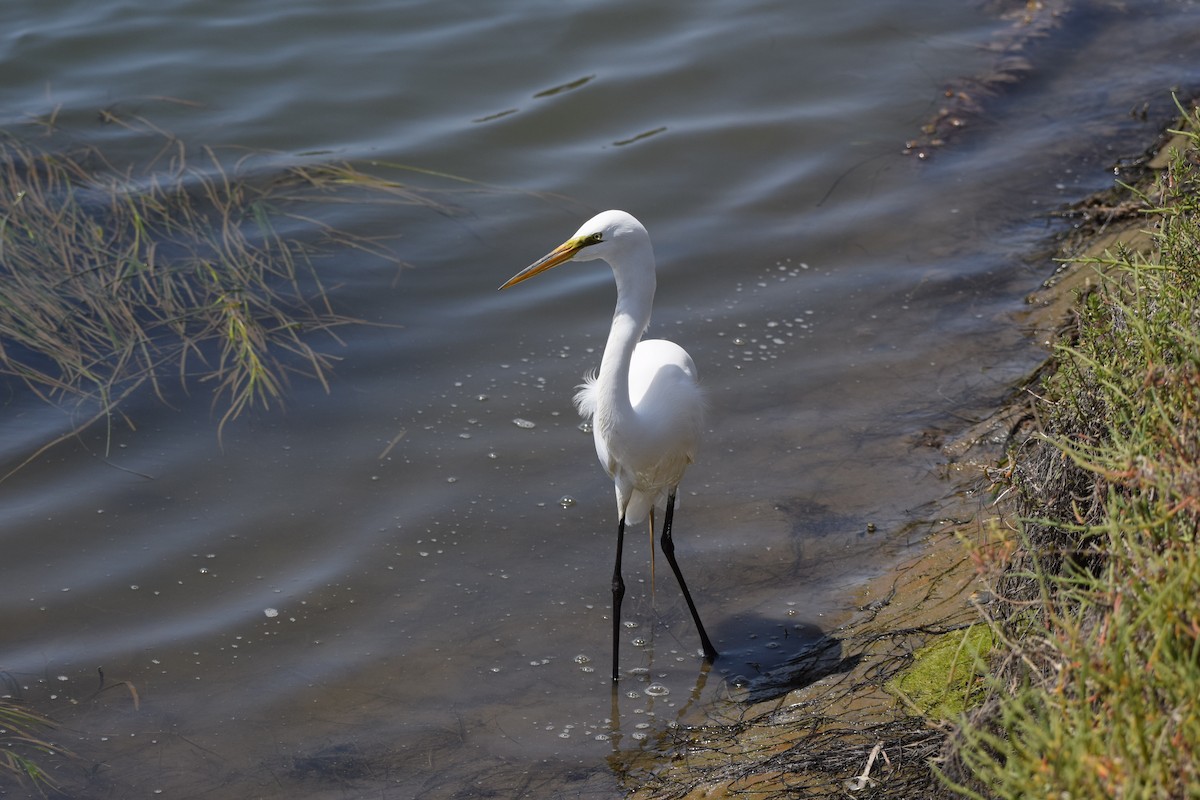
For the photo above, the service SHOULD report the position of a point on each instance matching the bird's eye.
(597, 237)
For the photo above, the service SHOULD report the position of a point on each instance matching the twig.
(862, 781)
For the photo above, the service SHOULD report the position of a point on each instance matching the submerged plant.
(24, 746)
(115, 279)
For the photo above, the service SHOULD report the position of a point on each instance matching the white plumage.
(647, 455)
(644, 403)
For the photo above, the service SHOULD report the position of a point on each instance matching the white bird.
(645, 406)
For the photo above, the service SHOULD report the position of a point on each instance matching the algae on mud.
(945, 678)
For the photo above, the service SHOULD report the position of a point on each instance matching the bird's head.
(602, 236)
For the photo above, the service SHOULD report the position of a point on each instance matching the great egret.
(644, 404)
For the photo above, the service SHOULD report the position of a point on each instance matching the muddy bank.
(862, 712)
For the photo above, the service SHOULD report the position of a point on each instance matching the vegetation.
(1098, 692)
(1082, 679)
(117, 278)
(944, 677)
(23, 746)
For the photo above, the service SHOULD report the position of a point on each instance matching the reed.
(118, 278)
(25, 746)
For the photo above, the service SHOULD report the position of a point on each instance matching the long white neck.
(633, 269)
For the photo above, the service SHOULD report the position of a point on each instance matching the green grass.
(1097, 691)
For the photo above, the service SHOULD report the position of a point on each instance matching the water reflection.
(645, 712)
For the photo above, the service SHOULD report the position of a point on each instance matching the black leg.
(618, 589)
(668, 548)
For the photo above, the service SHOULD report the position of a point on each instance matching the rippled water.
(304, 611)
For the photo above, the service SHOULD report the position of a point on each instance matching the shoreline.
(875, 725)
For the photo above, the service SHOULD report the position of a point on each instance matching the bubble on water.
(523, 423)
(566, 501)
(638, 735)
(585, 426)
(271, 613)
(582, 659)
(657, 690)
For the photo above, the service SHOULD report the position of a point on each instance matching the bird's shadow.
(777, 657)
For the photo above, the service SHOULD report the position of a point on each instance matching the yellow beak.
(564, 252)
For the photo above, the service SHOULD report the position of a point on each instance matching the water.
(300, 616)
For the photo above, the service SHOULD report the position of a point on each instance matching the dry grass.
(118, 278)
